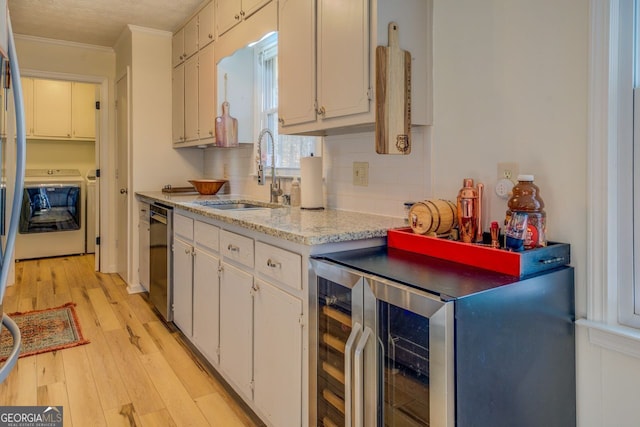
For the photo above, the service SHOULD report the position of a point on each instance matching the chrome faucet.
(276, 191)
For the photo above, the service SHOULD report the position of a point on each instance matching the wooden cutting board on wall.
(393, 96)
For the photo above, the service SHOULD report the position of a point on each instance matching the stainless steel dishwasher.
(160, 259)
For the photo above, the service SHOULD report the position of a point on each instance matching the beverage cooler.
(400, 339)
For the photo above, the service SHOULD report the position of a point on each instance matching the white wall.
(153, 162)
(513, 87)
(47, 154)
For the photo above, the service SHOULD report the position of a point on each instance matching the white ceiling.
(97, 22)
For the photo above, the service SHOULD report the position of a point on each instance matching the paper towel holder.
(311, 197)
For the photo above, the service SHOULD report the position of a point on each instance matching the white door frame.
(103, 227)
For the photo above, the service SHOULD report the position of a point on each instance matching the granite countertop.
(308, 227)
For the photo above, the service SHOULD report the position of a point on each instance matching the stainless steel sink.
(229, 206)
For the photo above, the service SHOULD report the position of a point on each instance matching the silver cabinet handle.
(359, 372)
(273, 264)
(233, 248)
(187, 251)
(355, 332)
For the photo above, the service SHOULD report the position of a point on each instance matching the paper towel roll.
(311, 183)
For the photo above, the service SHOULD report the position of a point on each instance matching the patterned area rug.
(44, 330)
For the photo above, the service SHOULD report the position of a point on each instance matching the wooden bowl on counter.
(208, 186)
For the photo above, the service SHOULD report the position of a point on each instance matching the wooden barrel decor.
(435, 216)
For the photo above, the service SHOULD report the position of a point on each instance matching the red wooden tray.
(499, 260)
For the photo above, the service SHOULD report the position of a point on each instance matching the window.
(629, 158)
(288, 148)
(613, 268)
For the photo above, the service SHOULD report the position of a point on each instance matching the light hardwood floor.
(136, 371)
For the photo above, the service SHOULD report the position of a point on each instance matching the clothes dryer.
(52, 219)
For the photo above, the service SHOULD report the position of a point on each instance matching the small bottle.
(526, 220)
(295, 193)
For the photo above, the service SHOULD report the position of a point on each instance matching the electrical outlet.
(361, 174)
(508, 170)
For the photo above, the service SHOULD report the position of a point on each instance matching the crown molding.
(66, 43)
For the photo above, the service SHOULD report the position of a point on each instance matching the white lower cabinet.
(277, 355)
(239, 301)
(236, 327)
(183, 286)
(206, 304)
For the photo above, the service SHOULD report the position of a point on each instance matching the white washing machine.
(52, 219)
(90, 211)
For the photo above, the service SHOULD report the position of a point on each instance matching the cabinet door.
(177, 48)
(83, 110)
(249, 7)
(206, 92)
(52, 112)
(296, 62)
(236, 327)
(278, 355)
(206, 304)
(206, 25)
(177, 99)
(191, 98)
(343, 57)
(27, 94)
(227, 15)
(183, 286)
(143, 245)
(191, 37)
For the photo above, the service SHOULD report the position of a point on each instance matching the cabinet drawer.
(279, 264)
(236, 247)
(207, 236)
(183, 226)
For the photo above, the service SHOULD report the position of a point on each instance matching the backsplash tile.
(393, 179)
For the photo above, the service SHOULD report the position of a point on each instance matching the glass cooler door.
(335, 327)
(415, 352)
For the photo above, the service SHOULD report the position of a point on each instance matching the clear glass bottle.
(295, 193)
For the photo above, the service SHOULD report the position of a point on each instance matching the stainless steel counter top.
(308, 227)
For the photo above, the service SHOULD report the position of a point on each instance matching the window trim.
(607, 280)
(267, 44)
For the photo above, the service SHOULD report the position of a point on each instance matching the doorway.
(53, 101)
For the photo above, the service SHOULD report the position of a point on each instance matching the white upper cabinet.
(177, 48)
(227, 14)
(327, 62)
(191, 37)
(191, 99)
(206, 93)
(206, 25)
(185, 42)
(232, 12)
(297, 61)
(52, 108)
(83, 110)
(194, 80)
(177, 109)
(343, 80)
(56, 109)
(27, 94)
